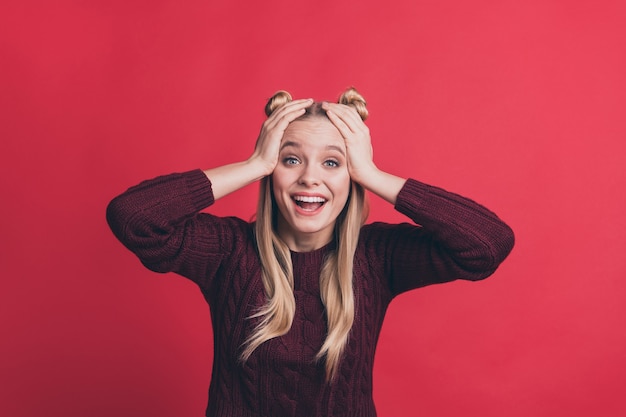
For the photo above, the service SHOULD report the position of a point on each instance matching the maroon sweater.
(160, 221)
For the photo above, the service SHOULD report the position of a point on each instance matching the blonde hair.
(336, 289)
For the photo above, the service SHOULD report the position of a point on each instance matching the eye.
(290, 160)
(331, 163)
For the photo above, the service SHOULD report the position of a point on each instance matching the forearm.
(385, 185)
(160, 221)
(475, 239)
(229, 178)
(144, 216)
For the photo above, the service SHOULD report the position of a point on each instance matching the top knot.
(279, 99)
(353, 98)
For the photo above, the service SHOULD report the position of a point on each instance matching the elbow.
(115, 217)
(126, 222)
(502, 244)
(493, 252)
(130, 227)
(507, 242)
(488, 254)
(154, 244)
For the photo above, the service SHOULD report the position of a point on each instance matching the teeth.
(305, 199)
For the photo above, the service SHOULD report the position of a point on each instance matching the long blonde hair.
(336, 289)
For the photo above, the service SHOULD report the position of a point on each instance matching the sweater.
(160, 220)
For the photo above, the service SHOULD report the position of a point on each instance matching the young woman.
(298, 297)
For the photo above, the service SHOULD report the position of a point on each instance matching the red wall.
(519, 105)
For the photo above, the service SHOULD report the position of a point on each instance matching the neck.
(304, 242)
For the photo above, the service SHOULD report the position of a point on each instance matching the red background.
(517, 104)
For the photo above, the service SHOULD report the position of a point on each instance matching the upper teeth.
(306, 199)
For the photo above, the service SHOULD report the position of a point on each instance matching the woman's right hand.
(226, 179)
(267, 145)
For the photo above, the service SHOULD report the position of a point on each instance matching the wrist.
(385, 185)
(259, 166)
(366, 175)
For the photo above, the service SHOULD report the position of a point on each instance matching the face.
(311, 183)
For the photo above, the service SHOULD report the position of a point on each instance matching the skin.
(311, 164)
(308, 234)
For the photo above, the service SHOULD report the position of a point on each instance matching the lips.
(309, 203)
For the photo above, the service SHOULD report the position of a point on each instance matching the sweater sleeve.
(455, 238)
(160, 221)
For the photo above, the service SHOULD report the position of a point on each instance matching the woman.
(298, 297)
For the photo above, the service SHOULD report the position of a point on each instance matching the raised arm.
(360, 156)
(160, 220)
(456, 237)
(229, 178)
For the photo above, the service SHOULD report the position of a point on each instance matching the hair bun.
(279, 99)
(353, 98)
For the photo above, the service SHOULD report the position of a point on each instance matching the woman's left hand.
(360, 154)
(356, 135)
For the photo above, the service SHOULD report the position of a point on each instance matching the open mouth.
(307, 203)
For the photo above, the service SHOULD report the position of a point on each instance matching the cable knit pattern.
(161, 222)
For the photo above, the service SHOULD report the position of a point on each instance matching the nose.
(310, 175)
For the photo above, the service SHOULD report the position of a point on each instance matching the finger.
(287, 118)
(292, 106)
(287, 113)
(347, 114)
(339, 123)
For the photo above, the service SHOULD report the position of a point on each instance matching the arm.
(159, 220)
(458, 238)
(229, 178)
(360, 155)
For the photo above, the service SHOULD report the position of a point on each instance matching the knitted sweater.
(160, 221)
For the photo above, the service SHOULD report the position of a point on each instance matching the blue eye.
(290, 161)
(331, 163)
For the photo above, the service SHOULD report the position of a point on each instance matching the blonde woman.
(298, 297)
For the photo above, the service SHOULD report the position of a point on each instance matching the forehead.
(314, 132)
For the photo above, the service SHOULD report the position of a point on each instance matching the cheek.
(279, 179)
(276, 187)
(342, 186)
(281, 185)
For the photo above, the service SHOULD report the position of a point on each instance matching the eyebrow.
(297, 145)
(337, 148)
(290, 143)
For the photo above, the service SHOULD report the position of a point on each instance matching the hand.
(356, 135)
(268, 143)
(360, 154)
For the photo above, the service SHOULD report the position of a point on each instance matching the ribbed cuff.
(411, 196)
(200, 189)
